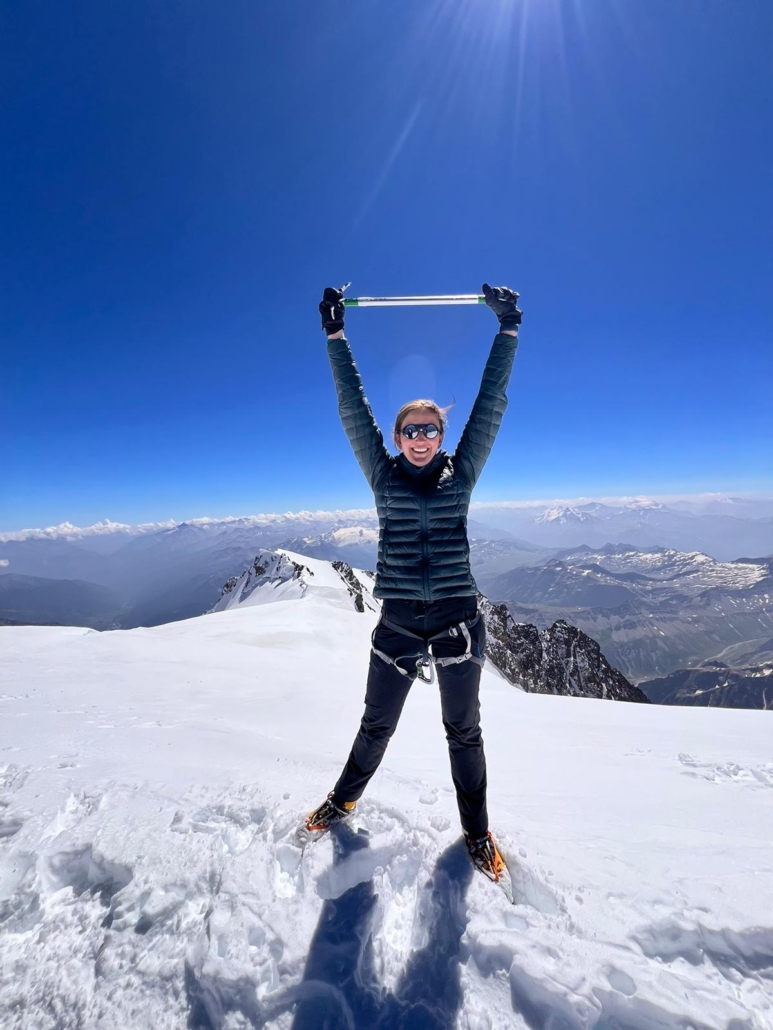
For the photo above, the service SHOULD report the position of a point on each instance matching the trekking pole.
(396, 302)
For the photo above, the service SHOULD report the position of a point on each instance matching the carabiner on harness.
(425, 669)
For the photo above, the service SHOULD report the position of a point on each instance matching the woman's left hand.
(504, 303)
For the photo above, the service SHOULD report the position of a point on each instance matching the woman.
(429, 613)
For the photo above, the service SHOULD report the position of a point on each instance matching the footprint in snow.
(12, 779)
(82, 869)
(288, 870)
(728, 772)
(529, 888)
(76, 809)
(10, 823)
(237, 825)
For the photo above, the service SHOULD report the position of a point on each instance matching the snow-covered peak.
(564, 516)
(282, 575)
(645, 504)
(343, 536)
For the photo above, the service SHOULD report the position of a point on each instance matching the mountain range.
(725, 529)
(740, 676)
(33, 599)
(714, 685)
(173, 570)
(652, 611)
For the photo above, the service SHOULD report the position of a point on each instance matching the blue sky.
(181, 179)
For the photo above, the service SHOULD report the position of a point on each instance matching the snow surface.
(151, 781)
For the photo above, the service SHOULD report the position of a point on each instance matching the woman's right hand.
(331, 310)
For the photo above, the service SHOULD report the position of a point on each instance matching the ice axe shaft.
(398, 302)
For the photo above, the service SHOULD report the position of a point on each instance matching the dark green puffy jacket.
(423, 551)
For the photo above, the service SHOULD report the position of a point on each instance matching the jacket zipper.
(425, 547)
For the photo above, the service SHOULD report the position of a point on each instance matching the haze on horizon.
(760, 502)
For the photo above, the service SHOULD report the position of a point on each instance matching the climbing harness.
(424, 661)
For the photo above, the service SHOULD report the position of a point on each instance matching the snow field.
(151, 782)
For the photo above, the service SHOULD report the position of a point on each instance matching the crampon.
(486, 857)
(321, 819)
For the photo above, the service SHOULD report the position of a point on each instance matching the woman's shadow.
(340, 989)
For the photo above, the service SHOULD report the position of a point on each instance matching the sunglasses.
(412, 432)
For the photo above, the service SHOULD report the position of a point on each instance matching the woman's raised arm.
(356, 416)
(490, 404)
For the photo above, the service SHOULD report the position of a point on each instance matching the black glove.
(502, 302)
(332, 310)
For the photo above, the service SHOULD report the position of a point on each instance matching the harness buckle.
(426, 662)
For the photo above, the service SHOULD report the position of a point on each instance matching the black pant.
(387, 690)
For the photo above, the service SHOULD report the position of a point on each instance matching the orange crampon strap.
(498, 864)
(494, 868)
(325, 816)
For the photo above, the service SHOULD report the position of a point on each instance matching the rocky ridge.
(558, 660)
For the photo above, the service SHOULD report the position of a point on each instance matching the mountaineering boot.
(485, 856)
(328, 813)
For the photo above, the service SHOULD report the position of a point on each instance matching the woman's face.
(420, 451)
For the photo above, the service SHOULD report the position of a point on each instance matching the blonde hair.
(422, 405)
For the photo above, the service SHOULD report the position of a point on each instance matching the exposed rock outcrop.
(559, 660)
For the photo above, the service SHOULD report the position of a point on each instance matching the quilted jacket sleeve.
(487, 411)
(357, 418)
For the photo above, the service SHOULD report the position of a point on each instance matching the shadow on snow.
(340, 989)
